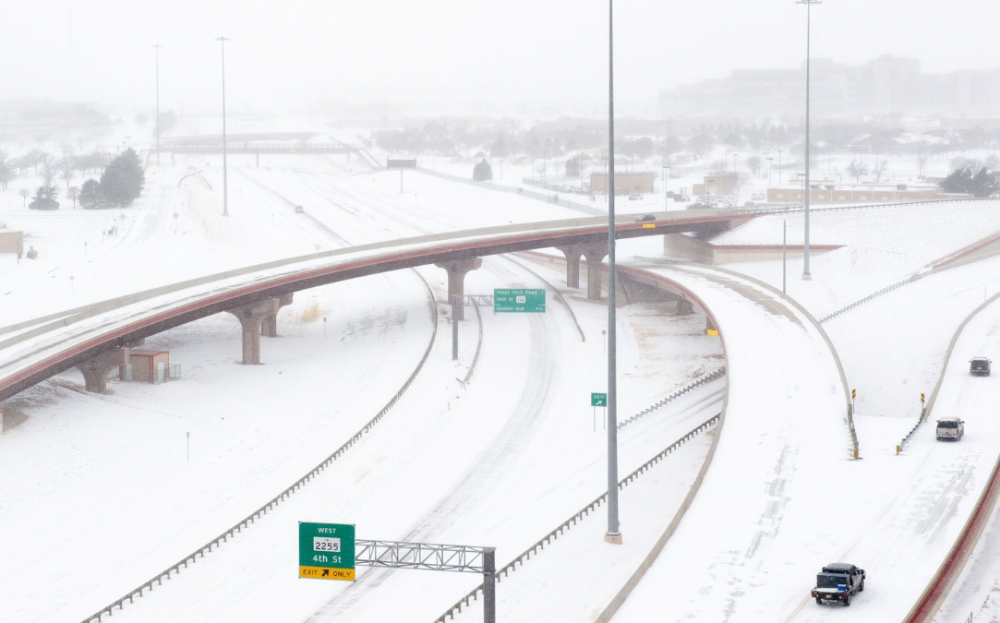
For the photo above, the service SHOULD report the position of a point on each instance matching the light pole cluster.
(225, 189)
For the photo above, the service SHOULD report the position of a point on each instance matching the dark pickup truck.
(979, 366)
(839, 582)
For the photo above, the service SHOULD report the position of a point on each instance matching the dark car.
(979, 366)
(839, 582)
(698, 206)
(644, 218)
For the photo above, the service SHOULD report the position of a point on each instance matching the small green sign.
(518, 300)
(326, 551)
(598, 400)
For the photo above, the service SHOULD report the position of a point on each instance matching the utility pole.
(613, 535)
(805, 249)
(225, 189)
(157, 46)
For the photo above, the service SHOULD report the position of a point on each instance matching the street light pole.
(157, 46)
(225, 188)
(613, 535)
(805, 249)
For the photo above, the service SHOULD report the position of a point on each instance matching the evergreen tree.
(483, 172)
(962, 180)
(122, 180)
(90, 195)
(573, 167)
(45, 199)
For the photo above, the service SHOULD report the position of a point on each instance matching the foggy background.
(544, 58)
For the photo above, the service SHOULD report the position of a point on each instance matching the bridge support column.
(709, 325)
(456, 278)
(269, 328)
(257, 157)
(95, 370)
(595, 256)
(251, 317)
(572, 253)
(684, 307)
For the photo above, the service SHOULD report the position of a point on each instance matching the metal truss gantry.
(434, 557)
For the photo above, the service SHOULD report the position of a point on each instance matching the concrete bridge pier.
(96, 369)
(269, 327)
(572, 253)
(595, 256)
(251, 317)
(456, 278)
(684, 307)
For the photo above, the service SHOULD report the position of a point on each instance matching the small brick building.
(150, 366)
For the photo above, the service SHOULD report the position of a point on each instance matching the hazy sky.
(455, 55)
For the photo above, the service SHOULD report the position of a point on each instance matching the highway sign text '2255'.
(326, 551)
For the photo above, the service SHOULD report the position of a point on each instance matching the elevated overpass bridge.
(96, 338)
(269, 143)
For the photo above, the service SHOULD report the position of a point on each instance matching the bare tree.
(48, 170)
(73, 192)
(857, 169)
(718, 167)
(921, 163)
(65, 167)
(753, 163)
(25, 193)
(34, 158)
(6, 171)
(881, 168)
(739, 181)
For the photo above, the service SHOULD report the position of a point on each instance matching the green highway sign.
(598, 400)
(518, 300)
(326, 551)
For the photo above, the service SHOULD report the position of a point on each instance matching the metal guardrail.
(301, 482)
(559, 296)
(711, 376)
(873, 295)
(522, 558)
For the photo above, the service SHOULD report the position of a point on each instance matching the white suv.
(950, 428)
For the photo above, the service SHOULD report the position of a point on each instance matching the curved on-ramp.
(784, 431)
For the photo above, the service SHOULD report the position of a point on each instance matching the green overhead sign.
(326, 551)
(518, 300)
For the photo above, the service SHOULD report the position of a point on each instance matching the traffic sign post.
(326, 551)
(518, 300)
(598, 400)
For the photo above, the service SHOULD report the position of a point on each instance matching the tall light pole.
(805, 249)
(613, 535)
(157, 47)
(225, 189)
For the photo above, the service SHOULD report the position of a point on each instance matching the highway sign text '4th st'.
(326, 551)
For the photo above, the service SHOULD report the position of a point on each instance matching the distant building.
(625, 183)
(722, 184)
(885, 85)
(11, 241)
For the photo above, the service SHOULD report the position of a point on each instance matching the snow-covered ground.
(508, 457)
